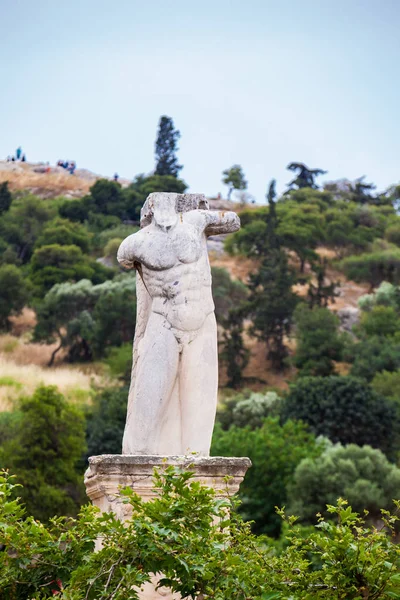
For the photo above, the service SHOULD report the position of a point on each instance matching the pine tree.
(166, 147)
(272, 302)
(305, 177)
(5, 197)
(234, 353)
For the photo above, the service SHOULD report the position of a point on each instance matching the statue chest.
(160, 250)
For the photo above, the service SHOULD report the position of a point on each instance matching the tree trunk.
(53, 355)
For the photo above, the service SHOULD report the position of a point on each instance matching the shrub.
(14, 293)
(106, 421)
(386, 294)
(44, 452)
(380, 321)
(318, 341)
(5, 197)
(387, 384)
(345, 410)
(373, 355)
(186, 534)
(392, 234)
(374, 267)
(248, 409)
(275, 451)
(64, 232)
(364, 476)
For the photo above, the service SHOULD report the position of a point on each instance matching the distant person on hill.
(72, 167)
(8, 158)
(18, 153)
(23, 159)
(116, 176)
(13, 159)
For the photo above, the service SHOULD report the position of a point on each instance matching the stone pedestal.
(108, 473)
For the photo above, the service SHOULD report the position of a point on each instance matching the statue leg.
(199, 389)
(148, 410)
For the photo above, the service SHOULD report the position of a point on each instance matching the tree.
(321, 293)
(143, 185)
(387, 384)
(360, 191)
(87, 319)
(106, 421)
(234, 178)
(14, 293)
(380, 321)
(55, 264)
(271, 304)
(300, 229)
(344, 409)
(374, 267)
(275, 451)
(65, 233)
(166, 147)
(5, 197)
(227, 293)
(372, 355)
(23, 223)
(234, 353)
(44, 453)
(305, 177)
(318, 341)
(107, 197)
(364, 476)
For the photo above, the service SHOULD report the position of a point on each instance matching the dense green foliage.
(5, 197)
(248, 409)
(275, 451)
(186, 533)
(362, 475)
(106, 421)
(318, 341)
(345, 410)
(53, 254)
(374, 267)
(14, 293)
(82, 316)
(44, 450)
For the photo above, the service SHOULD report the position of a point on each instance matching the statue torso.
(176, 273)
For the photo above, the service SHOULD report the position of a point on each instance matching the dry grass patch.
(55, 183)
(16, 380)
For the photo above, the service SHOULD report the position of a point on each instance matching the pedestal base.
(108, 473)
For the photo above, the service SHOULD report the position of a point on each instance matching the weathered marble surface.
(173, 393)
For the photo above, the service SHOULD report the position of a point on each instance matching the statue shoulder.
(129, 249)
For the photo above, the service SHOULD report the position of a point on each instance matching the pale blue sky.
(260, 83)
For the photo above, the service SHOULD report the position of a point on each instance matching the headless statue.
(173, 394)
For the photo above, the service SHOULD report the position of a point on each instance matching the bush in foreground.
(186, 534)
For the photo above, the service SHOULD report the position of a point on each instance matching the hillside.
(51, 182)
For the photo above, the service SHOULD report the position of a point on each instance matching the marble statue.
(173, 394)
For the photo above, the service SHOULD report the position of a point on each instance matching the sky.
(260, 83)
